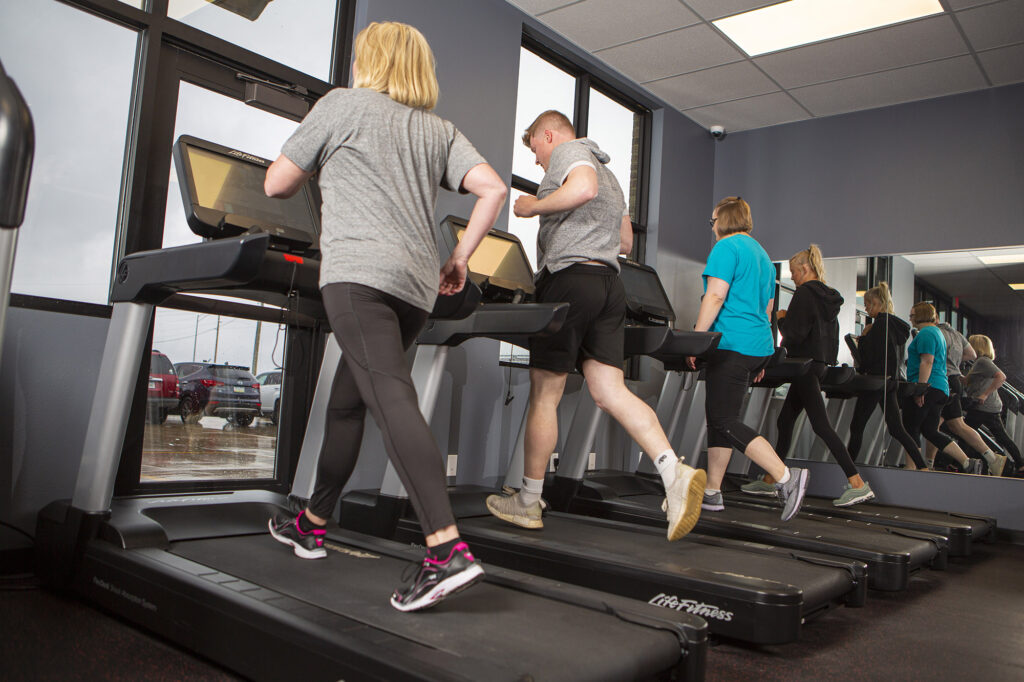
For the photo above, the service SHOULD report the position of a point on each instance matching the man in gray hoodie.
(584, 227)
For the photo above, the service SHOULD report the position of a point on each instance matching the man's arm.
(580, 186)
(626, 236)
(284, 178)
(970, 355)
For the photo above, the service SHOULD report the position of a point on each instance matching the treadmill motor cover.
(222, 190)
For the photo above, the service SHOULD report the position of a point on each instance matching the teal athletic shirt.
(741, 262)
(929, 341)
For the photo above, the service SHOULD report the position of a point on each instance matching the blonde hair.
(546, 121)
(395, 59)
(923, 312)
(733, 216)
(983, 345)
(881, 294)
(812, 258)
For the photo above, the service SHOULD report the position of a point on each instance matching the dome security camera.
(718, 132)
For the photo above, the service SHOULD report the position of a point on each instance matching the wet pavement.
(211, 449)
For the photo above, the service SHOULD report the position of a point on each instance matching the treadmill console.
(499, 266)
(646, 301)
(222, 190)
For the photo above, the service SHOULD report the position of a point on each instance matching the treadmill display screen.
(231, 185)
(501, 261)
(644, 292)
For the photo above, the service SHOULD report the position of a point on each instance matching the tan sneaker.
(995, 467)
(511, 508)
(683, 500)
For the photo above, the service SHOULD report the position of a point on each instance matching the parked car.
(270, 394)
(163, 396)
(228, 391)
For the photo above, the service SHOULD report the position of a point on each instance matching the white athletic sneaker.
(682, 500)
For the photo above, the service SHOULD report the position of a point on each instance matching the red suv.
(163, 393)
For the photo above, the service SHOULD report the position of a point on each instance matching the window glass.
(298, 33)
(135, 3)
(80, 96)
(616, 130)
(542, 86)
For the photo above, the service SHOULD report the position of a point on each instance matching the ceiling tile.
(716, 9)
(710, 86)
(964, 4)
(1004, 65)
(922, 81)
(994, 25)
(596, 24)
(535, 6)
(671, 54)
(753, 112)
(879, 50)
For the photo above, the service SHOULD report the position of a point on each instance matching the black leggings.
(994, 423)
(374, 331)
(727, 379)
(925, 420)
(862, 411)
(805, 395)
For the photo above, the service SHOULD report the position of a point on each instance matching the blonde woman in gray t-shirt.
(985, 408)
(381, 156)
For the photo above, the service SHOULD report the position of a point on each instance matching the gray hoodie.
(590, 231)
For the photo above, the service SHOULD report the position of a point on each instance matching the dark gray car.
(228, 391)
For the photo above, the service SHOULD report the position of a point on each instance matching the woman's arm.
(490, 192)
(284, 178)
(998, 380)
(711, 305)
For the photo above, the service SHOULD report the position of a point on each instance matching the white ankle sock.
(785, 477)
(989, 456)
(708, 492)
(666, 465)
(532, 488)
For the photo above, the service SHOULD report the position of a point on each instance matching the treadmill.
(891, 556)
(17, 149)
(201, 569)
(745, 590)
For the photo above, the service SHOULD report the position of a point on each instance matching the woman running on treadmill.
(985, 408)
(810, 329)
(381, 156)
(881, 348)
(739, 294)
(926, 364)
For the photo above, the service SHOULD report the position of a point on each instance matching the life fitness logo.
(670, 601)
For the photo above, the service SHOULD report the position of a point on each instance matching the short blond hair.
(983, 346)
(550, 119)
(395, 59)
(733, 216)
(811, 257)
(923, 312)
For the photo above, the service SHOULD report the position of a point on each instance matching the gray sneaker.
(791, 493)
(974, 466)
(852, 496)
(758, 487)
(713, 502)
(511, 508)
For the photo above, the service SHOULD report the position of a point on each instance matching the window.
(616, 128)
(542, 86)
(298, 33)
(80, 96)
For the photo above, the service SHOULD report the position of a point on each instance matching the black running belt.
(487, 632)
(648, 549)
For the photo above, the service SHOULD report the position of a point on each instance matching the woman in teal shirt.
(926, 364)
(739, 293)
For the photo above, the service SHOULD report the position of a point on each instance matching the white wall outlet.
(592, 461)
(453, 465)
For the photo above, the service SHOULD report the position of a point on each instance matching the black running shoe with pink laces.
(306, 544)
(437, 579)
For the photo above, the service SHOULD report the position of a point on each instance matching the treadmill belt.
(489, 628)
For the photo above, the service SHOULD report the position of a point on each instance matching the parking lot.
(211, 449)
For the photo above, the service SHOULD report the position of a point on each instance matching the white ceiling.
(982, 288)
(673, 50)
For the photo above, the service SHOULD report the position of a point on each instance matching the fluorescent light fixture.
(1017, 287)
(1002, 260)
(800, 22)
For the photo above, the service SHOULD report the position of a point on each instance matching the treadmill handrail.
(511, 322)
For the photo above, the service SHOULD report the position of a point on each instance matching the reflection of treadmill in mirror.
(712, 574)
(201, 569)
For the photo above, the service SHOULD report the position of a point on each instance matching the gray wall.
(941, 174)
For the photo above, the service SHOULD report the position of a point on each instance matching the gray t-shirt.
(590, 231)
(978, 379)
(380, 165)
(955, 344)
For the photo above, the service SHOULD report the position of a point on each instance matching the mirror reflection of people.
(880, 348)
(959, 350)
(584, 227)
(739, 294)
(926, 364)
(986, 407)
(810, 329)
(381, 156)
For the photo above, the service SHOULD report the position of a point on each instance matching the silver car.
(270, 394)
